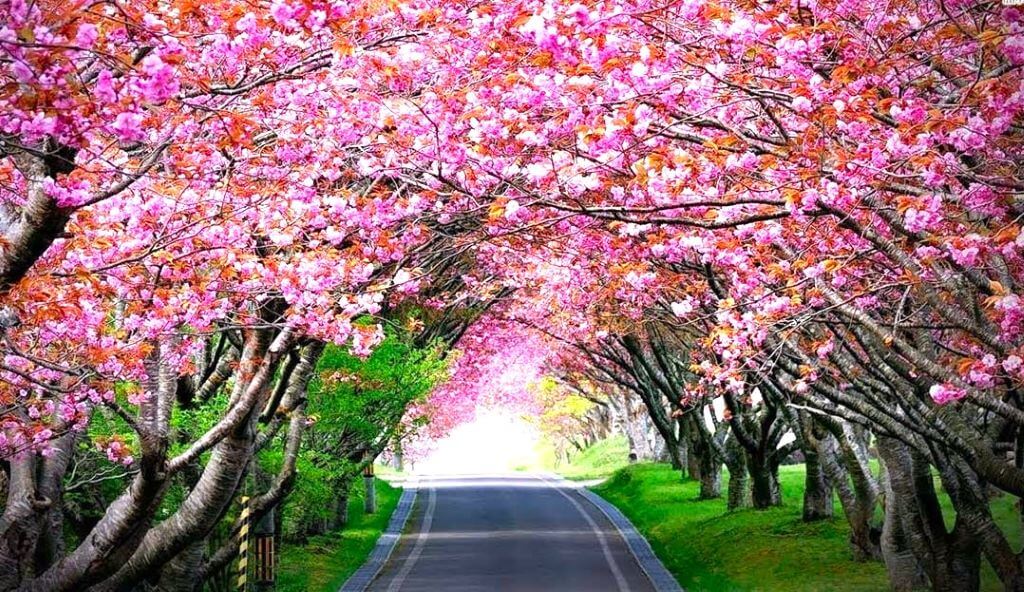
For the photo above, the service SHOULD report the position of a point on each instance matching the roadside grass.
(326, 561)
(710, 549)
(598, 461)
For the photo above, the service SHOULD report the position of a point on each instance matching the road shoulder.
(386, 544)
(660, 577)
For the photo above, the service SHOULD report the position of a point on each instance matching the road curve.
(508, 533)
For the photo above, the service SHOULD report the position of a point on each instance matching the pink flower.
(945, 393)
(802, 105)
(159, 83)
(22, 72)
(283, 13)
(39, 126)
(1013, 48)
(128, 127)
(967, 257)
(681, 309)
(104, 88)
(86, 35)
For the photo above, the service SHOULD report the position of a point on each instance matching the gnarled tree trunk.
(739, 483)
(817, 503)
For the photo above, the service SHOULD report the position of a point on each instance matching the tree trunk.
(711, 482)
(340, 519)
(958, 564)
(116, 535)
(817, 488)
(31, 526)
(710, 476)
(671, 454)
(694, 466)
(20, 525)
(178, 575)
(686, 459)
(207, 502)
(370, 500)
(764, 483)
(903, 543)
(636, 426)
(952, 560)
(51, 538)
(858, 500)
(903, 568)
(739, 482)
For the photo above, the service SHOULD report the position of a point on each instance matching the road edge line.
(620, 580)
(421, 541)
(382, 551)
(661, 578)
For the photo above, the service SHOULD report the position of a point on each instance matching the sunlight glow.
(494, 442)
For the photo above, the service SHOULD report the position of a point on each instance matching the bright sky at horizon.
(494, 442)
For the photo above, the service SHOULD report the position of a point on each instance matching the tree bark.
(33, 498)
(370, 501)
(905, 571)
(817, 489)
(951, 559)
(179, 574)
(210, 498)
(116, 535)
(739, 483)
(857, 489)
(764, 482)
(710, 477)
(28, 231)
(344, 488)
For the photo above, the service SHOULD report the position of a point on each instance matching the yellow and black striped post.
(243, 545)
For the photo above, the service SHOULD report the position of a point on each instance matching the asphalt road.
(520, 533)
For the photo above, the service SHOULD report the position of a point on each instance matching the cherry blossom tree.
(807, 213)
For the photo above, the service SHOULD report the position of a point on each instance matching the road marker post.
(243, 545)
(370, 502)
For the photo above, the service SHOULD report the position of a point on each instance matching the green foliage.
(311, 501)
(326, 561)
(711, 549)
(194, 421)
(356, 404)
(366, 397)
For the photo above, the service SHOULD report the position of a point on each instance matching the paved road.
(521, 533)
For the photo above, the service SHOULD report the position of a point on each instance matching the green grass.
(325, 562)
(710, 549)
(597, 462)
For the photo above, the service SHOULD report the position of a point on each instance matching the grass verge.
(710, 549)
(326, 561)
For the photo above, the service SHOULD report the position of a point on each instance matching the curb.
(386, 544)
(660, 577)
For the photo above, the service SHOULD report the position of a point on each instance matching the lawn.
(598, 461)
(325, 562)
(710, 549)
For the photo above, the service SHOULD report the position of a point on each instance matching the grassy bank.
(325, 562)
(710, 549)
(598, 461)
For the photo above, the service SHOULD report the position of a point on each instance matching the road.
(510, 533)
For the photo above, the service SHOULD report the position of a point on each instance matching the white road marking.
(619, 579)
(421, 540)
